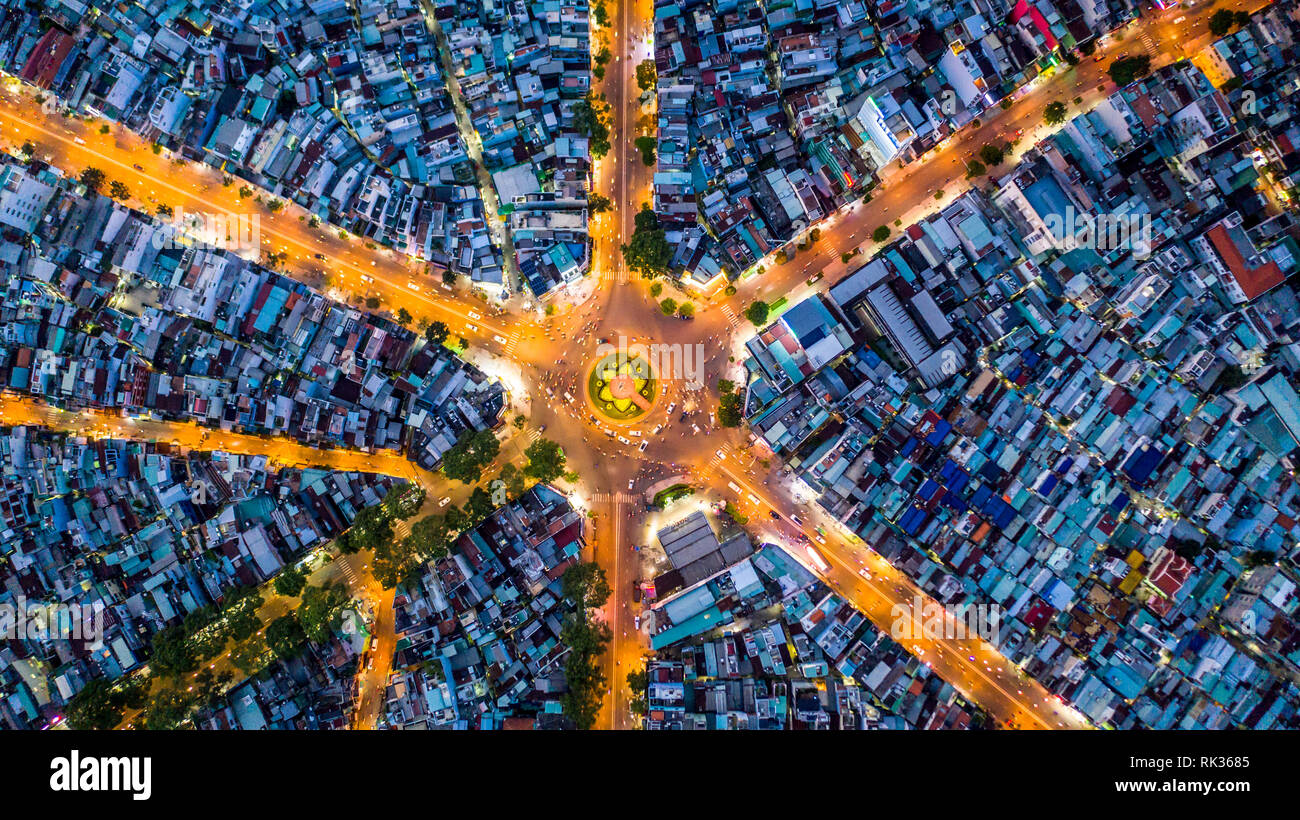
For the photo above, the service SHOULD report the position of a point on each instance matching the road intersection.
(550, 355)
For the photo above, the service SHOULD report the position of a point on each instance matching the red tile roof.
(1254, 282)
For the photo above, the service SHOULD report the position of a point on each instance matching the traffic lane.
(26, 119)
(986, 678)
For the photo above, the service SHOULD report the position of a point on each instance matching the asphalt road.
(553, 354)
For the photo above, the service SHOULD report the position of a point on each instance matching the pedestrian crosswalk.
(732, 318)
(616, 275)
(715, 459)
(614, 498)
(1149, 45)
(512, 343)
(533, 435)
(349, 575)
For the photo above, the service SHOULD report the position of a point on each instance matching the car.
(608, 432)
(630, 482)
(370, 663)
(655, 432)
(696, 429)
(644, 445)
(820, 540)
(413, 286)
(569, 398)
(472, 328)
(671, 408)
(318, 256)
(720, 454)
(636, 621)
(373, 643)
(499, 339)
(625, 440)
(814, 279)
(864, 574)
(474, 315)
(776, 516)
(541, 428)
(636, 433)
(797, 520)
(683, 417)
(365, 278)
(593, 419)
(444, 501)
(79, 141)
(137, 166)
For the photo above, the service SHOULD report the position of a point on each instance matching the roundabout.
(622, 386)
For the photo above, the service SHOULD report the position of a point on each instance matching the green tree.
(473, 451)
(96, 706)
(992, 155)
(545, 460)
(285, 636)
(645, 74)
(1221, 22)
(1054, 113)
(168, 708)
(758, 312)
(974, 169)
(93, 179)
(480, 505)
(730, 412)
(436, 332)
(403, 316)
(372, 526)
(647, 253)
(656, 288)
(513, 480)
(1125, 71)
(598, 204)
(321, 610)
(586, 585)
(172, 654)
(646, 145)
(686, 310)
(290, 582)
(591, 117)
(668, 306)
(880, 234)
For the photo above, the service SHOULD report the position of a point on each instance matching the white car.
(624, 440)
(472, 328)
(413, 286)
(720, 455)
(696, 430)
(365, 278)
(499, 339)
(655, 431)
(671, 408)
(644, 445)
(636, 621)
(636, 433)
(630, 482)
(446, 499)
(474, 315)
